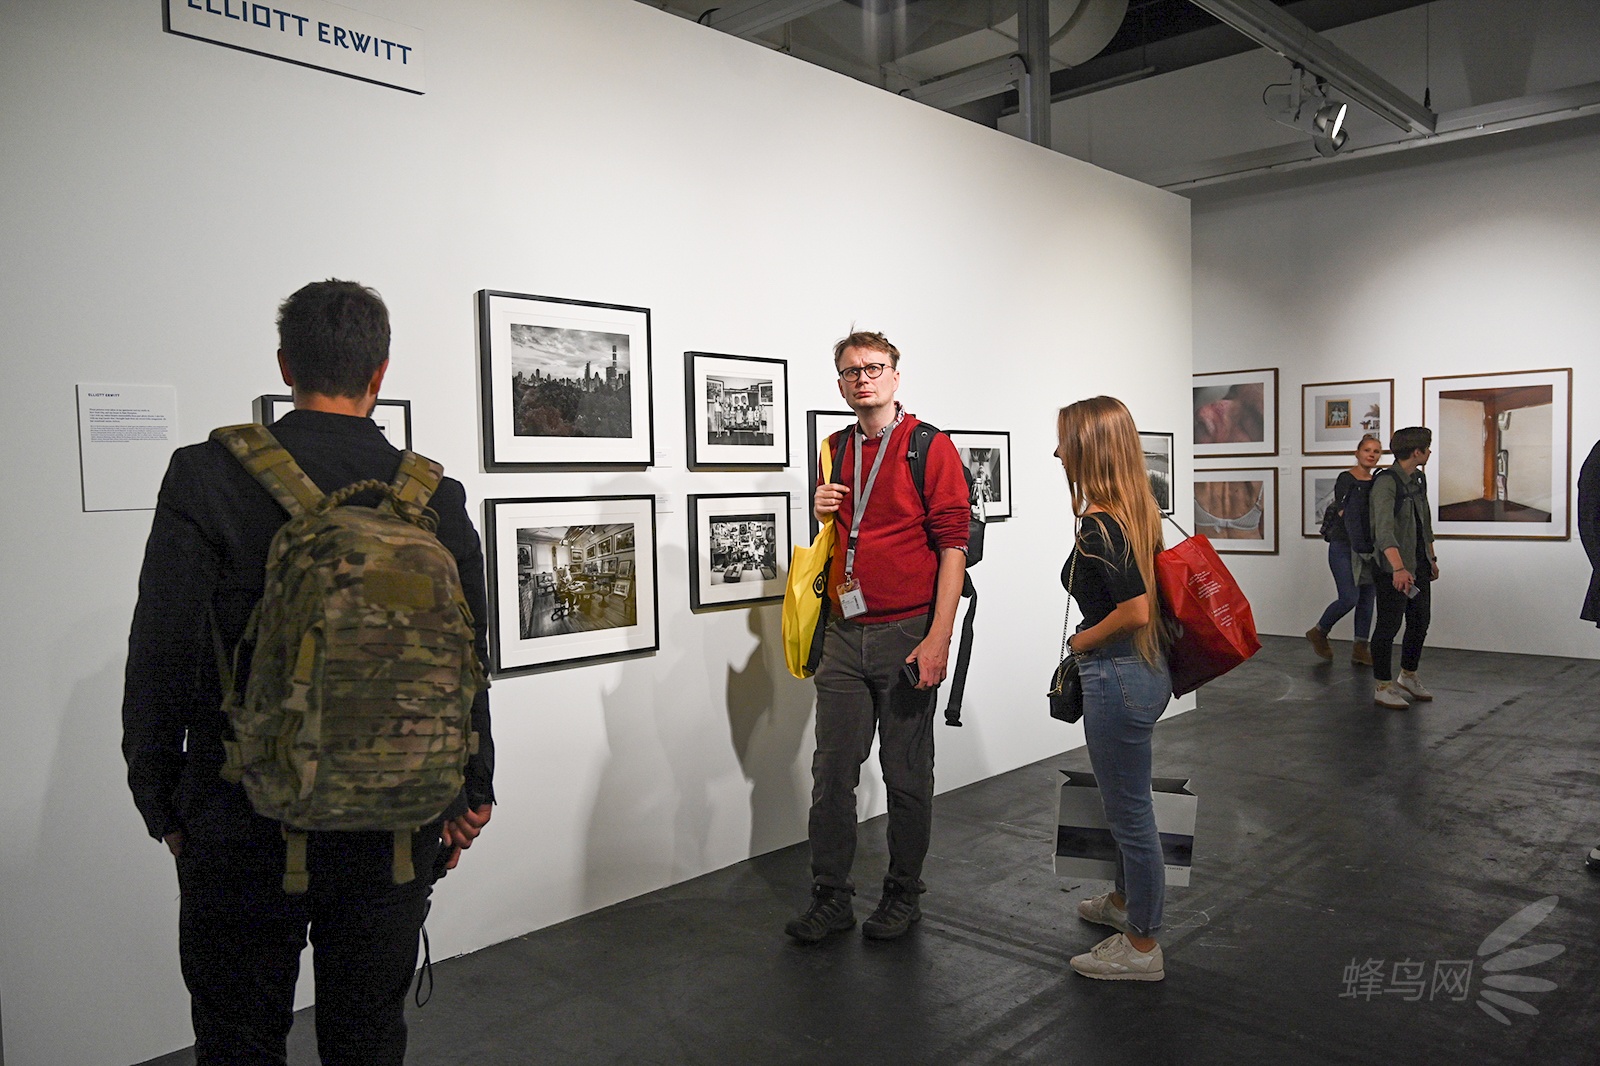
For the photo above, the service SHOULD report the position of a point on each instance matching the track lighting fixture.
(1303, 103)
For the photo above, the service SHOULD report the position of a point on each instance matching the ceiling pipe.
(747, 18)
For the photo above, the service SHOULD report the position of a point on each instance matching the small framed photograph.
(566, 383)
(1316, 492)
(1237, 510)
(1236, 413)
(819, 426)
(987, 457)
(392, 416)
(1335, 415)
(739, 546)
(566, 605)
(738, 413)
(1157, 449)
(1502, 454)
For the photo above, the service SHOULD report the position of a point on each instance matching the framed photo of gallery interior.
(1236, 413)
(739, 545)
(1502, 454)
(738, 411)
(1237, 509)
(566, 383)
(571, 579)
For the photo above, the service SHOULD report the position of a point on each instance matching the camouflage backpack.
(358, 710)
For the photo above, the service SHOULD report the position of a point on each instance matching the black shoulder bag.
(1066, 687)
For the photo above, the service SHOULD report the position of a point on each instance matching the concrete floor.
(1330, 833)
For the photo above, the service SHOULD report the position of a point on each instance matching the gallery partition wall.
(656, 188)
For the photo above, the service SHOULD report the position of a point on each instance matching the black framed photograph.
(1502, 454)
(739, 545)
(553, 600)
(738, 414)
(1236, 413)
(1335, 415)
(987, 456)
(819, 426)
(1157, 448)
(1237, 510)
(392, 416)
(566, 383)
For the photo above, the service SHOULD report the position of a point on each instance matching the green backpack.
(358, 711)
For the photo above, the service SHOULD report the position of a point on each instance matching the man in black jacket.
(240, 936)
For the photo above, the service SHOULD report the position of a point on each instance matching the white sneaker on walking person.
(1116, 959)
(1408, 680)
(1390, 694)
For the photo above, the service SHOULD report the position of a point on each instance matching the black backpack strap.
(917, 455)
(958, 678)
(271, 464)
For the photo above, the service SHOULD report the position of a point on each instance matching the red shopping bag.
(1207, 615)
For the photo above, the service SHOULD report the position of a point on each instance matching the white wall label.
(126, 434)
(314, 33)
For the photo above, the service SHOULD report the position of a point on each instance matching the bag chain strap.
(1066, 623)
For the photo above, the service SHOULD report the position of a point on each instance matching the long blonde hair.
(1100, 450)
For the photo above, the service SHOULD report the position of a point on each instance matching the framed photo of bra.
(1237, 509)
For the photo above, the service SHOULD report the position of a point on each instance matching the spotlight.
(1308, 109)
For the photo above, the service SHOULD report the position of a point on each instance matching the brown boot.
(1319, 642)
(1361, 654)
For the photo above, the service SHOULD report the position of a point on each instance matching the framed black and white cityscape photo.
(738, 414)
(739, 546)
(571, 579)
(987, 457)
(566, 383)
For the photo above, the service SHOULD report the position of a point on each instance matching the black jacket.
(207, 551)
(1589, 530)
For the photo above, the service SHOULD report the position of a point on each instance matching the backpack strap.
(401, 869)
(917, 456)
(296, 878)
(271, 464)
(416, 481)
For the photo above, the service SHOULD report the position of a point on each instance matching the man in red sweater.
(896, 577)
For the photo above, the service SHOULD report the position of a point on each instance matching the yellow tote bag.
(806, 597)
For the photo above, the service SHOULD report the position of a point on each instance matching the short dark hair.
(1409, 441)
(334, 335)
(872, 342)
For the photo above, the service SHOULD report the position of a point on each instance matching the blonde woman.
(1347, 571)
(1124, 671)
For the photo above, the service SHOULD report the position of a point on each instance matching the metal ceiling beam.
(1033, 40)
(1273, 28)
(747, 18)
(975, 83)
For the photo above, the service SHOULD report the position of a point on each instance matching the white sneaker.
(1592, 862)
(1408, 681)
(1390, 694)
(1115, 959)
(1101, 911)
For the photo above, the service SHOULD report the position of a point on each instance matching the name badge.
(852, 601)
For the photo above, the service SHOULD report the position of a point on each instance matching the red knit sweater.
(897, 557)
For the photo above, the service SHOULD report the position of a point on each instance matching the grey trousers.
(860, 691)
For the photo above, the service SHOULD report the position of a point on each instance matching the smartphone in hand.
(912, 673)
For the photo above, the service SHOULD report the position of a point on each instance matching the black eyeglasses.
(871, 370)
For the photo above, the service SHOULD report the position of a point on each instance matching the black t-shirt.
(1341, 489)
(1107, 573)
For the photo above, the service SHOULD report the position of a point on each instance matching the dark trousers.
(240, 938)
(1393, 607)
(860, 692)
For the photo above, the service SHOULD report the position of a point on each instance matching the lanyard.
(863, 495)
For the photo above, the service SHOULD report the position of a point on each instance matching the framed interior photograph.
(739, 546)
(1316, 492)
(1502, 454)
(566, 383)
(392, 416)
(987, 457)
(1157, 448)
(1237, 510)
(1335, 415)
(819, 425)
(553, 600)
(1236, 413)
(738, 413)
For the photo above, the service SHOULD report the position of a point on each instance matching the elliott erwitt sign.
(313, 33)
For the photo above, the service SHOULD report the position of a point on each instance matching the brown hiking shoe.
(1319, 642)
(1361, 654)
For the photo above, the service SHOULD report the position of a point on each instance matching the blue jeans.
(1122, 697)
(1360, 597)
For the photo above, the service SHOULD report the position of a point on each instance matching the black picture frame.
(537, 412)
(756, 569)
(724, 397)
(819, 424)
(992, 476)
(392, 416)
(563, 607)
(1157, 446)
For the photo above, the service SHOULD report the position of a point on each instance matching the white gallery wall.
(159, 196)
(1475, 259)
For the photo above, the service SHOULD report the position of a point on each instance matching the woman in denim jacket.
(1124, 670)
